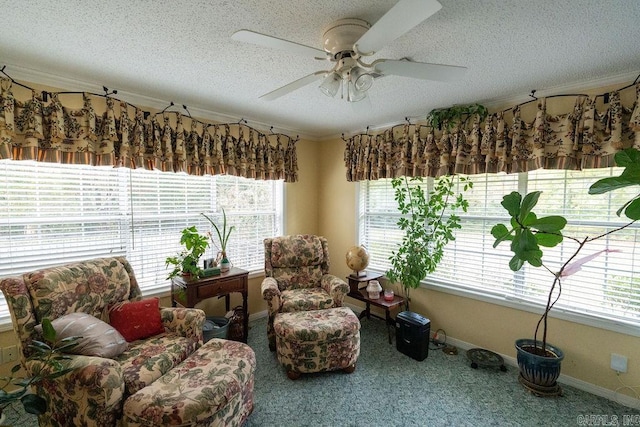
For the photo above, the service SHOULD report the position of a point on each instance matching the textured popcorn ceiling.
(181, 51)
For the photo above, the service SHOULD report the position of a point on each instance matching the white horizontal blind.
(470, 261)
(52, 214)
(609, 285)
(605, 288)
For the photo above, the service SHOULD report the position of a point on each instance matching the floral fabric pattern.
(306, 299)
(584, 137)
(316, 341)
(94, 392)
(213, 387)
(297, 277)
(124, 135)
(147, 360)
(88, 287)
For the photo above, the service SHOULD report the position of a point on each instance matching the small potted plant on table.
(187, 261)
(223, 239)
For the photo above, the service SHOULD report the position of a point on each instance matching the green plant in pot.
(50, 353)
(458, 114)
(223, 233)
(428, 222)
(539, 361)
(187, 261)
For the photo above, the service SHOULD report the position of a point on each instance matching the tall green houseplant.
(528, 234)
(428, 222)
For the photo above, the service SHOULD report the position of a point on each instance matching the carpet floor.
(389, 388)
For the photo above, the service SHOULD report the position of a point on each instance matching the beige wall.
(323, 202)
(301, 216)
(494, 327)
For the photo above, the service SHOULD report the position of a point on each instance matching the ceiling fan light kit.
(354, 94)
(331, 84)
(362, 80)
(347, 40)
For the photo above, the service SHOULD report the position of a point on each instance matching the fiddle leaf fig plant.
(528, 234)
(630, 160)
(428, 222)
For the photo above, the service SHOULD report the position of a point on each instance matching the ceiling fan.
(347, 41)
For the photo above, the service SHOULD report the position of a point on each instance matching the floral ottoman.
(317, 340)
(212, 387)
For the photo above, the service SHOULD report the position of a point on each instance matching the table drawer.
(221, 287)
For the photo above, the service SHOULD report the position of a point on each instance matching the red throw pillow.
(137, 319)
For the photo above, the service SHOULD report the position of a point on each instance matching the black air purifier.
(412, 334)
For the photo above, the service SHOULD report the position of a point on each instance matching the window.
(605, 293)
(53, 214)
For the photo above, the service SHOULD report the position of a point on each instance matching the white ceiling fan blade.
(297, 84)
(420, 70)
(276, 43)
(402, 17)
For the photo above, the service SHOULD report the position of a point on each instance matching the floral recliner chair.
(95, 391)
(297, 277)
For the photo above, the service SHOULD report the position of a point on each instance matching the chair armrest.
(184, 321)
(271, 294)
(336, 287)
(94, 386)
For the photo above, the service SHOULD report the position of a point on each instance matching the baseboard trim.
(564, 379)
(622, 399)
(258, 315)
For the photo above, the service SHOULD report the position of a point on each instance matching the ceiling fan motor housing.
(346, 42)
(341, 35)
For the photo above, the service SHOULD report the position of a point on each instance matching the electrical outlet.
(618, 362)
(10, 354)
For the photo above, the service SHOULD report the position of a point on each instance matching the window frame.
(449, 286)
(260, 203)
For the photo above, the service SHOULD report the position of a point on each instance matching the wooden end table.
(187, 293)
(357, 291)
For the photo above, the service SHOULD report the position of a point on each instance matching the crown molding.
(507, 101)
(47, 79)
(587, 85)
(24, 74)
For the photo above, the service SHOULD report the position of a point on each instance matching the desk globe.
(358, 259)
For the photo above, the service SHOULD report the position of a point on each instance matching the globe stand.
(357, 259)
(359, 274)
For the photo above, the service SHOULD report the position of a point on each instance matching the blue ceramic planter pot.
(539, 370)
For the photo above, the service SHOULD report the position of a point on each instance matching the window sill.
(557, 313)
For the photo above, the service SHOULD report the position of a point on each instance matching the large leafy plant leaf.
(630, 176)
(528, 232)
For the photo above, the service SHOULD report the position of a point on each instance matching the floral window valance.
(584, 137)
(123, 135)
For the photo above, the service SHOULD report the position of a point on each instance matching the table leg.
(389, 323)
(245, 308)
(365, 312)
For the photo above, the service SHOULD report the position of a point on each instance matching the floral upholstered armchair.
(297, 277)
(114, 366)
